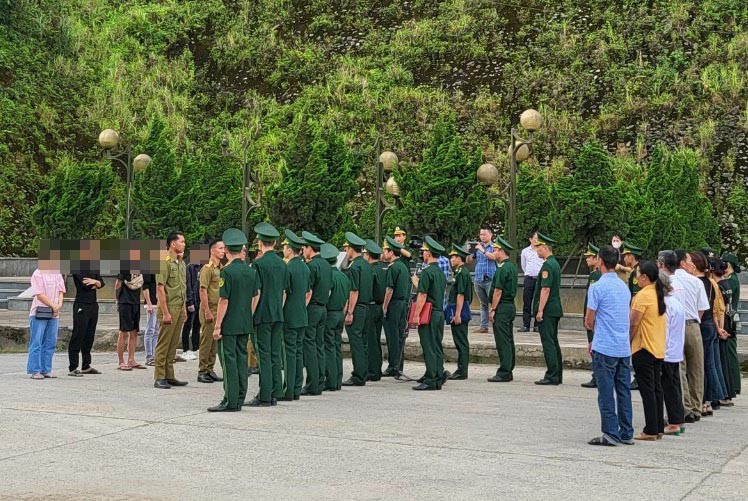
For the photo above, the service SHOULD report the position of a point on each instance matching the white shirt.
(676, 329)
(531, 262)
(692, 296)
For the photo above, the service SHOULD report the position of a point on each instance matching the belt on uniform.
(375, 302)
(365, 305)
(335, 311)
(315, 303)
(691, 322)
(397, 299)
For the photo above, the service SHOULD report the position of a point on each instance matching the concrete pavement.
(115, 437)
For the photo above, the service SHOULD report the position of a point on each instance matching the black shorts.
(129, 317)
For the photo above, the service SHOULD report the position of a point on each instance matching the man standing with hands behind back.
(547, 308)
(485, 267)
(209, 283)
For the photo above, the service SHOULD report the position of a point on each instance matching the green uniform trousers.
(168, 340)
(394, 326)
(357, 343)
(551, 349)
(268, 340)
(207, 351)
(734, 363)
(314, 348)
(333, 330)
(431, 336)
(503, 335)
(339, 350)
(373, 330)
(232, 351)
(293, 360)
(460, 338)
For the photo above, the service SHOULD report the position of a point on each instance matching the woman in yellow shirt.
(648, 335)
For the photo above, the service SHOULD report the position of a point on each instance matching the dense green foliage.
(626, 75)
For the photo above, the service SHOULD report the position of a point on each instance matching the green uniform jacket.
(362, 280)
(549, 276)
(320, 280)
(239, 284)
(735, 286)
(505, 279)
(433, 282)
(379, 286)
(340, 290)
(398, 279)
(294, 310)
(633, 282)
(173, 276)
(594, 277)
(274, 280)
(209, 278)
(463, 285)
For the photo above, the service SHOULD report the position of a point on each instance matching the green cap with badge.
(312, 240)
(293, 240)
(372, 248)
(501, 243)
(709, 252)
(434, 247)
(391, 244)
(729, 257)
(545, 240)
(457, 250)
(354, 241)
(266, 233)
(592, 250)
(329, 253)
(234, 239)
(629, 248)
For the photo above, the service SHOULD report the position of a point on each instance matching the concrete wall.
(17, 266)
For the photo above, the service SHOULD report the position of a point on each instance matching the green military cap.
(234, 239)
(709, 252)
(390, 243)
(729, 257)
(329, 253)
(398, 231)
(545, 240)
(372, 248)
(312, 240)
(457, 250)
(433, 246)
(629, 248)
(592, 250)
(293, 240)
(266, 232)
(501, 243)
(353, 240)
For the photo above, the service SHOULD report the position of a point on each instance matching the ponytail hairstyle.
(701, 263)
(650, 270)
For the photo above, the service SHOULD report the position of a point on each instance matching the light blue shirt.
(609, 298)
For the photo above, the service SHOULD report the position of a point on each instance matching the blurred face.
(218, 252)
(485, 236)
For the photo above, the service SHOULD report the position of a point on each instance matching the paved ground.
(113, 436)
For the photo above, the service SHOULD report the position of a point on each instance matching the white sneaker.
(190, 355)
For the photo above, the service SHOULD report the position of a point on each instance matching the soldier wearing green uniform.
(631, 256)
(733, 268)
(595, 275)
(546, 307)
(503, 310)
(374, 314)
(460, 296)
(295, 316)
(171, 290)
(362, 279)
(268, 338)
(336, 307)
(395, 306)
(320, 281)
(238, 285)
(209, 278)
(406, 253)
(431, 286)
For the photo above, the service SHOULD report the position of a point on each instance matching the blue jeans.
(151, 335)
(613, 377)
(42, 344)
(712, 388)
(482, 289)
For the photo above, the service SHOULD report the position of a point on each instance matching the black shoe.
(690, 418)
(524, 329)
(445, 376)
(255, 402)
(306, 393)
(296, 397)
(390, 373)
(176, 382)
(273, 402)
(421, 379)
(500, 379)
(253, 370)
(285, 399)
(456, 376)
(535, 329)
(352, 382)
(425, 387)
(547, 382)
(591, 384)
(222, 408)
(204, 378)
(161, 384)
(371, 377)
(215, 377)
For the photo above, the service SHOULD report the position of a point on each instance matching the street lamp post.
(249, 179)
(115, 150)
(385, 182)
(519, 151)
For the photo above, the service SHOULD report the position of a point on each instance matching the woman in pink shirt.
(48, 287)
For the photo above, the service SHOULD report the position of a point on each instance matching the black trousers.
(725, 361)
(528, 291)
(648, 372)
(192, 324)
(672, 393)
(85, 318)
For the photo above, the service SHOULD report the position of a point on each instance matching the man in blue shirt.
(608, 316)
(485, 267)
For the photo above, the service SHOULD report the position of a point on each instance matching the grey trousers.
(150, 336)
(692, 370)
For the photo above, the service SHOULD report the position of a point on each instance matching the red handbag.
(425, 317)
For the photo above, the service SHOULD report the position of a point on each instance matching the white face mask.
(616, 245)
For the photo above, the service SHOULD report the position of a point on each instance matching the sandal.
(124, 368)
(47, 375)
(37, 376)
(601, 441)
(90, 370)
(645, 437)
(75, 373)
(136, 366)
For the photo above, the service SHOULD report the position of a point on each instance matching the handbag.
(450, 310)
(425, 317)
(43, 313)
(135, 282)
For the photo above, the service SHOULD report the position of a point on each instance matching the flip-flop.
(37, 376)
(137, 366)
(601, 441)
(124, 368)
(49, 376)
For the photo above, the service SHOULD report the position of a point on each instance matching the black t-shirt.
(85, 293)
(149, 283)
(125, 295)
